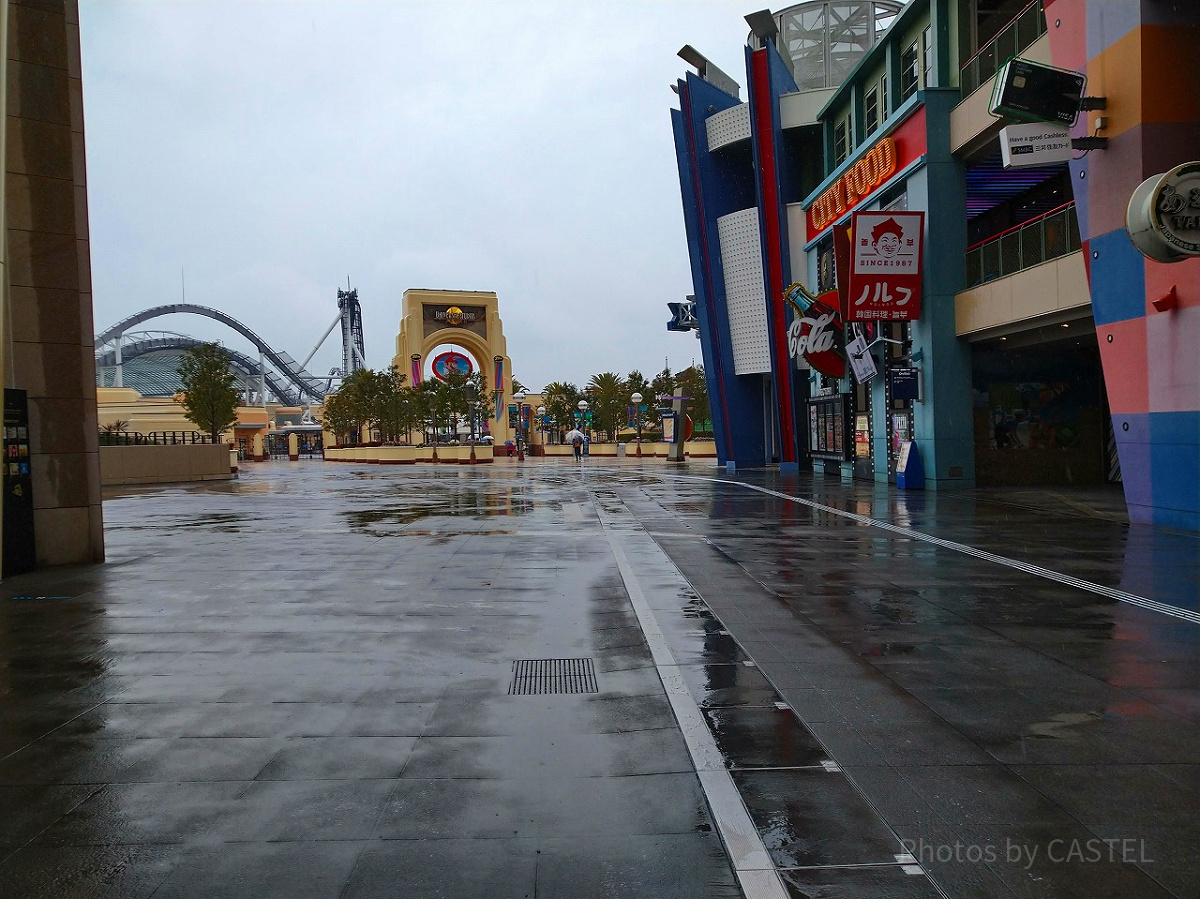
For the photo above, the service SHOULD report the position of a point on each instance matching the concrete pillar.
(258, 451)
(49, 277)
(293, 447)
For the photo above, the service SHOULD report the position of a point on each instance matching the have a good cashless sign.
(1035, 143)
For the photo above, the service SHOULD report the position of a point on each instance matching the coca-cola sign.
(815, 334)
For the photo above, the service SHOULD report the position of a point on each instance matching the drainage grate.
(532, 676)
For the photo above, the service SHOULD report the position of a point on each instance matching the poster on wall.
(885, 268)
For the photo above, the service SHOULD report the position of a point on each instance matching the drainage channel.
(760, 768)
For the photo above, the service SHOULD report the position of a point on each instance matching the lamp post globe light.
(519, 396)
(636, 399)
(541, 414)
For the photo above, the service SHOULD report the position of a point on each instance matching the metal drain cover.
(532, 676)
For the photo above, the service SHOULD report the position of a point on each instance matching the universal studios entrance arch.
(466, 318)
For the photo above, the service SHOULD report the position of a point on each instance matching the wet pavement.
(301, 683)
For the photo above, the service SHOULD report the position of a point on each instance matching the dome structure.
(825, 39)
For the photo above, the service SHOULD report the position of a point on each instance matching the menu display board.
(19, 547)
(829, 428)
(862, 436)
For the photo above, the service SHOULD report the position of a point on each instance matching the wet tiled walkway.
(297, 684)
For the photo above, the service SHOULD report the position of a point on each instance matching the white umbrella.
(573, 434)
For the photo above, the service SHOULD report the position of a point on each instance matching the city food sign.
(885, 266)
(875, 167)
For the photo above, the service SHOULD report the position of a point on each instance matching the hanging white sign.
(1036, 143)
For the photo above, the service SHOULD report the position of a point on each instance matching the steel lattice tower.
(352, 331)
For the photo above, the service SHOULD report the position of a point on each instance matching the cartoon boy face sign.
(886, 237)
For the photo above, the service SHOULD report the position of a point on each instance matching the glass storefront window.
(909, 72)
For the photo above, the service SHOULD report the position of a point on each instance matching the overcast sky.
(268, 150)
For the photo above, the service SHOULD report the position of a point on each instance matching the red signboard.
(885, 266)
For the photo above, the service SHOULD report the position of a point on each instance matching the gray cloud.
(270, 149)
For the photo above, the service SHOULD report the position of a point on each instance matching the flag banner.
(499, 388)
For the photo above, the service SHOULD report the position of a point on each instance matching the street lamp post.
(541, 414)
(583, 407)
(519, 396)
(637, 414)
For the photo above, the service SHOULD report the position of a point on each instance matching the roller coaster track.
(306, 384)
(283, 390)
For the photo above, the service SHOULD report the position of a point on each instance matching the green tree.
(606, 396)
(395, 411)
(635, 382)
(357, 402)
(210, 395)
(561, 401)
(336, 416)
(663, 383)
(362, 390)
(691, 383)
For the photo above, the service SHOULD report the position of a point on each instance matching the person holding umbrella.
(575, 438)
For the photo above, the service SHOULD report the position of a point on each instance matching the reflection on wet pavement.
(913, 665)
(266, 693)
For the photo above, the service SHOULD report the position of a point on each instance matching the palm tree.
(606, 394)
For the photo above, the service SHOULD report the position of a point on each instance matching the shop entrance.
(1040, 412)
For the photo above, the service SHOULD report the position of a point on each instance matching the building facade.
(1017, 370)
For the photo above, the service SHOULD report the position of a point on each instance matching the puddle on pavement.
(1065, 726)
(756, 737)
(460, 504)
(221, 522)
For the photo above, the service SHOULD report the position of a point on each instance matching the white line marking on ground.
(1036, 570)
(751, 862)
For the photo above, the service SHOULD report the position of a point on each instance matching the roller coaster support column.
(117, 377)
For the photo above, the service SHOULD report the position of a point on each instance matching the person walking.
(576, 439)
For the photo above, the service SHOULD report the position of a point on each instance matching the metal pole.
(324, 337)
(117, 379)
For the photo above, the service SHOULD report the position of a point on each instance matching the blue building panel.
(1175, 427)
(1118, 278)
(713, 187)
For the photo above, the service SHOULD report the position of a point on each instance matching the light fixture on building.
(707, 71)
(762, 26)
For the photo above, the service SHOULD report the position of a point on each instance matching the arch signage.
(438, 316)
(451, 361)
